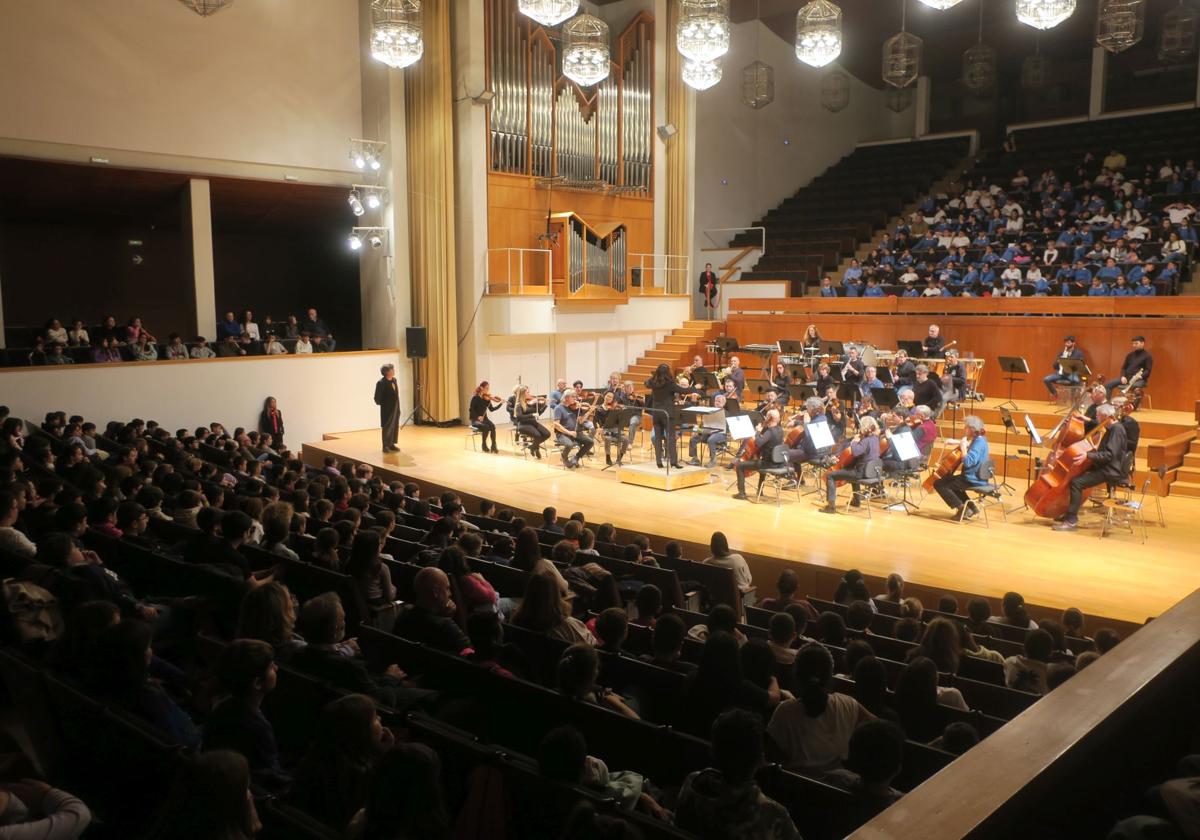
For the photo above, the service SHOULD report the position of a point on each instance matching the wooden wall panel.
(1174, 343)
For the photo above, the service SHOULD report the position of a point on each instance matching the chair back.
(873, 470)
(987, 470)
(779, 454)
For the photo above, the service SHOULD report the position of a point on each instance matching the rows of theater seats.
(485, 726)
(813, 230)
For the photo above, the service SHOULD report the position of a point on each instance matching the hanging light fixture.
(585, 50)
(902, 54)
(1035, 70)
(898, 99)
(979, 63)
(548, 12)
(941, 5)
(702, 33)
(701, 75)
(818, 33)
(835, 91)
(1178, 40)
(1120, 24)
(758, 77)
(1044, 14)
(396, 38)
(205, 8)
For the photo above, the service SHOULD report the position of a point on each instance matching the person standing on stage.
(1069, 351)
(933, 343)
(708, 290)
(769, 436)
(661, 403)
(1135, 368)
(387, 397)
(975, 454)
(1106, 463)
(569, 432)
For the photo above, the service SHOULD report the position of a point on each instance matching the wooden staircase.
(1187, 477)
(676, 350)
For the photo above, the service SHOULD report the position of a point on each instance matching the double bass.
(1049, 494)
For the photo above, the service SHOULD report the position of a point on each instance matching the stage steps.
(675, 350)
(1187, 477)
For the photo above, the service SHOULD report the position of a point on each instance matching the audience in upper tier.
(110, 342)
(297, 564)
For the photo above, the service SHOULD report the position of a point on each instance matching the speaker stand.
(419, 414)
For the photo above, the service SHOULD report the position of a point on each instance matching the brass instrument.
(1135, 381)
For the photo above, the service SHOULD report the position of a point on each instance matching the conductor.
(387, 397)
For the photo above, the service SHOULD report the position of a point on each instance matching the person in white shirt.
(56, 333)
(202, 350)
(931, 291)
(1011, 273)
(944, 238)
(909, 275)
(11, 539)
(1028, 671)
(961, 240)
(1020, 181)
(1138, 232)
(274, 347)
(249, 327)
(303, 345)
(32, 810)
(726, 559)
(1166, 171)
(1015, 223)
(1179, 212)
(1050, 256)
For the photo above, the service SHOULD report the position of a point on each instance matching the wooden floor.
(1116, 577)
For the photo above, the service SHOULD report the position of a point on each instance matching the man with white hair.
(569, 432)
(975, 454)
(1106, 463)
(864, 447)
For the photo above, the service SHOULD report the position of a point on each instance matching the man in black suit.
(1106, 464)
(387, 397)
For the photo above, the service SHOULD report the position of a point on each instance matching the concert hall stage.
(1117, 577)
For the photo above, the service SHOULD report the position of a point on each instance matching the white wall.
(317, 394)
(746, 147)
(268, 81)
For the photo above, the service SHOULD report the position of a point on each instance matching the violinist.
(905, 403)
(1059, 377)
(555, 396)
(952, 488)
(1136, 367)
(864, 449)
(806, 451)
(569, 432)
(769, 436)
(904, 372)
(713, 438)
(1133, 429)
(588, 400)
(1106, 464)
(732, 405)
(612, 433)
(478, 414)
(852, 368)
(836, 418)
(870, 380)
(933, 343)
(524, 411)
(924, 432)
(954, 377)
(614, 385)
(926, 391)
(824, 379)
(663, 390)
(770, 400)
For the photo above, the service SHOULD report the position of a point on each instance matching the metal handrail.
(762, 245)
(666, 268)
(509, 252)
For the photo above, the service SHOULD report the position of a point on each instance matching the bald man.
(430, 618)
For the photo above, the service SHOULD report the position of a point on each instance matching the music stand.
(1014, 366)
(800, 393)
(708, 381)
(1078, 369)
(1009, 426)
(725, 344)
(1030, 460)
(849, 393)
(885, 397)
(620, 420)
(832, 348)
(914, 349)
(884, 375)
(791, 347)
(795, 372)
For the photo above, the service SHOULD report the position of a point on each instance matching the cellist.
(769, 436)
(864, 448)
(974, 452)
(804, 450)
(1106, 463)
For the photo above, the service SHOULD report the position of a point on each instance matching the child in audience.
(247, 672)
(1028, 671)
(201, 350)
(77, 336)
(577, 671)
(875, 757)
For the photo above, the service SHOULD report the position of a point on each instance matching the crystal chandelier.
(1120, 24)
(758, 85)
(835, 91)
(396, 32)
(941, 4)
(1044, 14)
(979, 64)
(548, 12)
(1178, 41)
(702, 33)
(818, 33)
(898, 99)
(701, 75)
(1035, 71)
(585, 50)
(902, 55)
(204, 8)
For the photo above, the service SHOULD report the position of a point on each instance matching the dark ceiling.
(866, 24)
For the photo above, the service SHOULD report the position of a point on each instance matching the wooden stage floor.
(1116, 577)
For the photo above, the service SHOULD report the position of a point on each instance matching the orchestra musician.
(614, 385)
(864, 447)
(477, 413)
(807, 452)
(1098, 398)
(524, 411)
(824, 379)
(924, 432)
(555, 396)
(904, 372)
(852, 368)
(569, 431)
(714, 439)
(737, 375)
(1106, 463)
(1133, 429)
(1058, 377)
(769, 436)
(1136, 367)
(836, 418)
(663, 390)
(870, 380)
(770, 400)
(905, 402)
(588, 400)
(732, 404)
(611, 432)
(975, 453)
(926, 391)
(933, 343)
(780, 379)
(954, 377)
(812, 339)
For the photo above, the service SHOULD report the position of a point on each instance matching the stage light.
(374, 163)
(376, 241)
(367, 154)
(373, 201)
(355, 242)
(941, 4)
(360, 162)
(356, 204)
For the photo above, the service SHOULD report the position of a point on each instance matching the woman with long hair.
(942, 644)
(663, 390)
(477, 414)
(544, 610)
(812, 337)
(209, 800)
(524, 410)
(405, 800)
(270, 421)
(249, 327)
(371, 575)
(268, 614)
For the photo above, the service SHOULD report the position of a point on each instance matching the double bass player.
(1105, 463)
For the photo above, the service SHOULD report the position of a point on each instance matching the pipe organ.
(589, 256)
(543, 125)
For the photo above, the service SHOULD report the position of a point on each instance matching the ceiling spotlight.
(374, 163)
(373, 201)
(376, 241)
(356, 204)
(355, 242)
(367, 154)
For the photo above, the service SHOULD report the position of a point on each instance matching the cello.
(950, 461)
(1049, 495)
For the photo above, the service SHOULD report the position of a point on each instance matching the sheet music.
(1033, 432)
(820, 435)
(906, 448)
(740, 427)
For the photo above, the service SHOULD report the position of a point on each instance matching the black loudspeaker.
(416, 342)
(635, 276)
